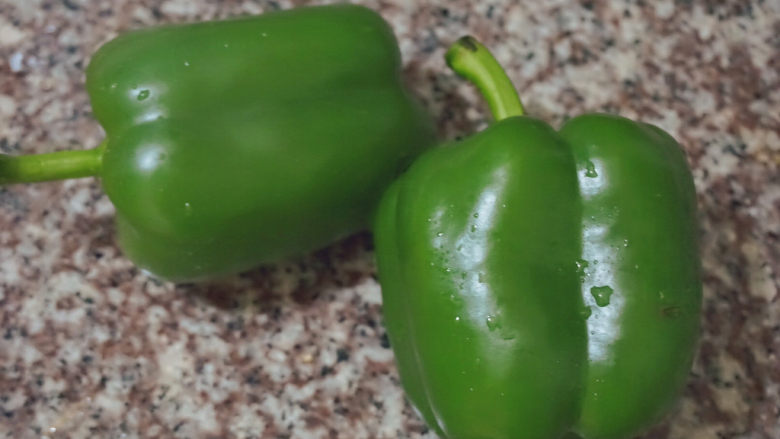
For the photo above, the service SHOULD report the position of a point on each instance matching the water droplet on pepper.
(590, 170)
(586, 312)
(601, 295)
(581, 265)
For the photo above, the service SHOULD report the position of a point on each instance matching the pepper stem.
(51, 166)
(473, 61)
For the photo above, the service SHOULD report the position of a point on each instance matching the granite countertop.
(91, 347)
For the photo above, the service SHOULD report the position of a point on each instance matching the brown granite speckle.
(91, 347)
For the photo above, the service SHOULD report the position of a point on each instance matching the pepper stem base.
(473, 61)
(51, 166)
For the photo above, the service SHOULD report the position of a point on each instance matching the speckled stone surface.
(92, 348)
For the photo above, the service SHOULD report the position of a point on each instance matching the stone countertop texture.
(92, 348)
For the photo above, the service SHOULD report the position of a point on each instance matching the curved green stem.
(473, 61)
(51, 166)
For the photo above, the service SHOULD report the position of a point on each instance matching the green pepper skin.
(233, 143)
(639, 234)
(541, 284)
(476, 245)
(239, 142)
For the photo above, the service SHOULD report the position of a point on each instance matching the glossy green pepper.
(238, 142)
(541, 284)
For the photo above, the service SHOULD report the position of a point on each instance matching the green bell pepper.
(233, 143)
(541, 284)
